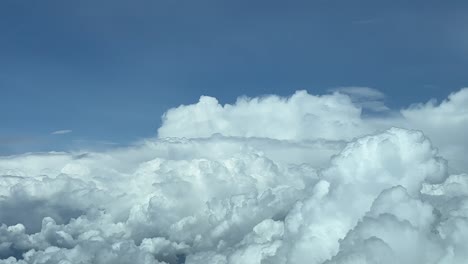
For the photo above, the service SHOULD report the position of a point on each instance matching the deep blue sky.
(108, 69)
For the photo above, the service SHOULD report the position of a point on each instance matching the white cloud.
(445, 124)
(61, 132)
(332, 117)
(299, 117)
(305, 179)
(365, 97)
(360, 92)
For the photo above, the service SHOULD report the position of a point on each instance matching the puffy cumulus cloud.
(301, 116)
(445, 123)
(333, 117)
(157, 201)
(272, 180)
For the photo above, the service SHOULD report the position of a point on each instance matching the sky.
(233, 132)
(100, 73)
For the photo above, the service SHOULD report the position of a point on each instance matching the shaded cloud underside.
(304, 179)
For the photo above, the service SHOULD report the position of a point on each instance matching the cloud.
(445, 123)
(332, 117)
(304, 179)
(61, 132)
(365, 97)
(299, 117)
(360, 92)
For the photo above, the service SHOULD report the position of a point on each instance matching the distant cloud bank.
(302, 179)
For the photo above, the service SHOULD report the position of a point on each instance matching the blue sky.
(107, 70)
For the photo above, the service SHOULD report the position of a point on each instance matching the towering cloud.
(299, 117)
(335, 117)
(304, 179)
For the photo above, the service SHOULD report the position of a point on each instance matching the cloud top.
(301, 116)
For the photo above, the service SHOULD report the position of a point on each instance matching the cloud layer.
(304, 179)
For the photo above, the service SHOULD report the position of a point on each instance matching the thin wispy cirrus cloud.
(61, 132)
(367, 98)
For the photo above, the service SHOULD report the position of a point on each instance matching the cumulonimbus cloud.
(303, 179)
